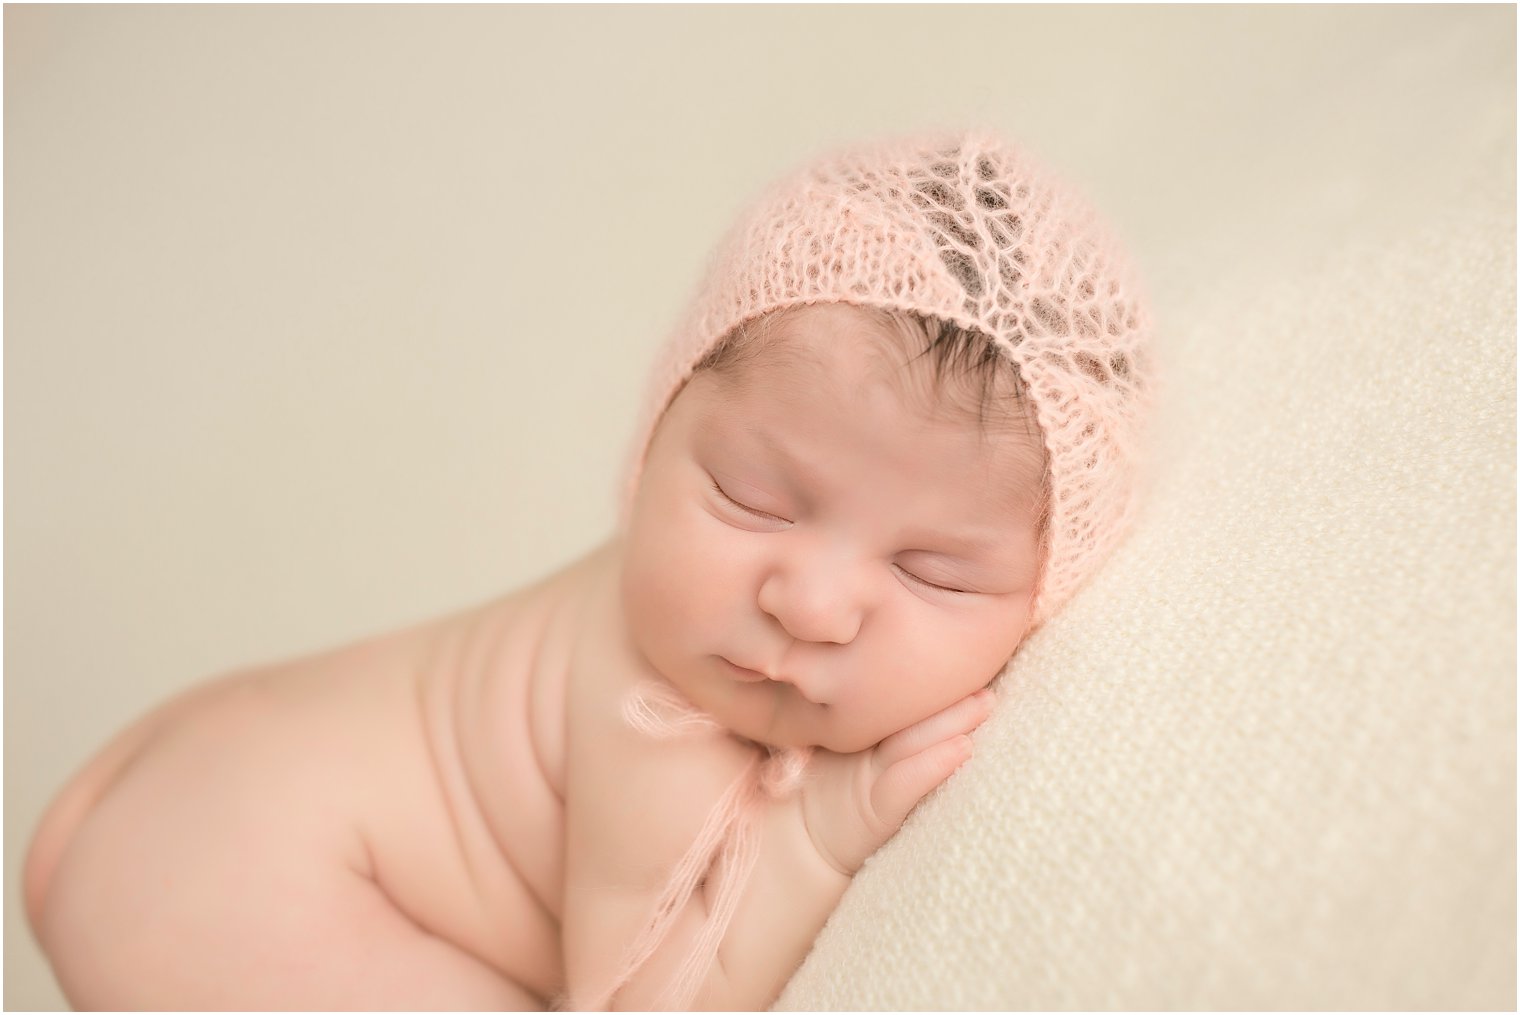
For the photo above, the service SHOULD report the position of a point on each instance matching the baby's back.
(283, 836)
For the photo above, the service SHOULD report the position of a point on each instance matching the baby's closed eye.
(934, 585)
(745, 507)
(946, 586)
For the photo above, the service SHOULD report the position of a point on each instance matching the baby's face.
(797, 533)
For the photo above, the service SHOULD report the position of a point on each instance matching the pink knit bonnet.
(969, 229)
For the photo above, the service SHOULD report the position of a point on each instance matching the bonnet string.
(723, 853)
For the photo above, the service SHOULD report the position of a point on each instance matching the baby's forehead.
(836, 349)
(796, 385)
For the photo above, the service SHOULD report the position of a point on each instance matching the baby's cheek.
(941, 664)
(665, 592)
(651, 600)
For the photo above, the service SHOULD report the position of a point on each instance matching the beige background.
(319, 321)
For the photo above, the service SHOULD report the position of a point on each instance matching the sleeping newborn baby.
(899, 426)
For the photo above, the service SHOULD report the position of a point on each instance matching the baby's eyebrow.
(777, 451)
(965, 547)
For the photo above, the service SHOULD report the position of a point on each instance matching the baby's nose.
(813, 605)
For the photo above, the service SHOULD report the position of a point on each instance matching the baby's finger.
(907, 782)
(962, 717)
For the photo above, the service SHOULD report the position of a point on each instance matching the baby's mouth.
(743, 673)
(750, 676)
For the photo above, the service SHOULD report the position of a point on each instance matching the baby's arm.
(630, 822)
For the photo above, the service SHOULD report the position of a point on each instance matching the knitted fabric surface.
(966, 228)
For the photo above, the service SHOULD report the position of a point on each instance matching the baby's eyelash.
(921, 581)
(745, 507)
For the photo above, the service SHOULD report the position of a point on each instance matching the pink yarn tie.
(727, 845)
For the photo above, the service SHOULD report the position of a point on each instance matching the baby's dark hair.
(967, 366)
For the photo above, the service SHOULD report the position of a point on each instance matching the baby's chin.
(774, 715)
(851, 743)
(758, 713)
(777, 732)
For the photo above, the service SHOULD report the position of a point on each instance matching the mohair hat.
(967, 228)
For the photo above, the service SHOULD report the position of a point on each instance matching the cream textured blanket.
(1267, 759)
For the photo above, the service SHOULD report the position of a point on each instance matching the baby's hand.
(856, 802)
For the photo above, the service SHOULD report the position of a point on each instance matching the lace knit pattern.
(966, 228)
